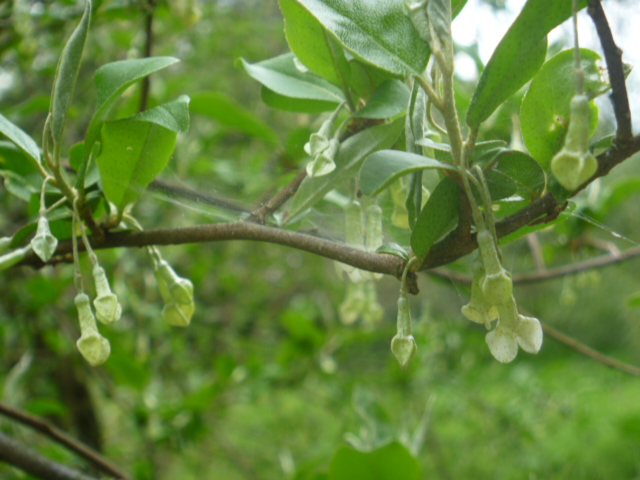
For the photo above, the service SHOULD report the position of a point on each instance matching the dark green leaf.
(173, 116)
(519, 170)
(518, 57)
(313, 45)
(67, 73)
(366, 78)
(376, 31)
(544, 115)
(381, 168)
(390, 99)
(348, 161)
(438, 217)
(390, 462)
(229, 114)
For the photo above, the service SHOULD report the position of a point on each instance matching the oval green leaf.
(438, 217)
(381, 168)
(281, 75)
(519, 55)
(390, 99)
(374, 30)
(314, 46)
(67, 73)
(23, 141)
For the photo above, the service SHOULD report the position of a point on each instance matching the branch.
(549, 274)
(278, 200)
(372, 262)
(59, 436)
(148, 45)
(613, 57)
(589, 352)
(198, 197)
(35, 464)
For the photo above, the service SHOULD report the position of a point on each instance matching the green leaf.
(376, 31)
(229, 114)
(520, 171)
(393, 249)
(313, 45)
(348, 160)
(390, 462)
(67, 73)
(297, 105)
(438, 217)
(366, 78)
(390, 99)
(133, 153)
(23, 141)
(282, 76)
(518, 57)
(381, 168)
(544, 115)
(173, 116)
(112, 80)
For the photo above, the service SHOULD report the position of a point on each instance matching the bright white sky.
(478, 22)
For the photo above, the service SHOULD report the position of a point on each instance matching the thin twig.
(62, 438)
(613, 57)
(549, 274)
(260, 214)
(148, 47)
(589, 352)
(199, 197)
(22, 457)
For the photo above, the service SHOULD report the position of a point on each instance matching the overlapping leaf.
(518, 57)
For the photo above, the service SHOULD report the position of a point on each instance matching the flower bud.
(502, 343)
(44, 244)
(529, 333)
(323, 163)
(178, 315)
(108, 309)
(404, 348)
(173, 287)
(93, 346)
(403, 345)
(574, 164)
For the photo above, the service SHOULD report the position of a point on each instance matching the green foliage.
(544, 115)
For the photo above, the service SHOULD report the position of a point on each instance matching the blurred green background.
(267, 383)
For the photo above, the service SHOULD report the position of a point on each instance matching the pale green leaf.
(381, 168)
(23, 141)
(67, 73)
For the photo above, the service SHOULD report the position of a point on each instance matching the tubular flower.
(108, 309)
(44, 244)
(177, 293)
(497, 285)
(574, 164)
(514, 330)
(93, 346)
(403, 345)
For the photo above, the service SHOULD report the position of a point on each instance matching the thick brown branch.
(59, 436)
(373, 262)
(35, 464)
(613, 57)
